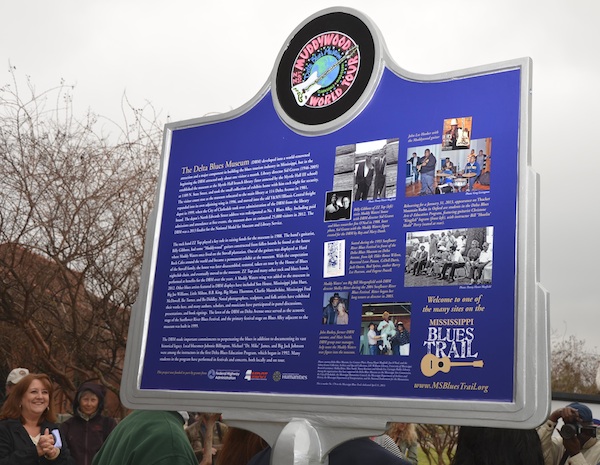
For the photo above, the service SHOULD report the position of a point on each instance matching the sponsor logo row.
(254, 375)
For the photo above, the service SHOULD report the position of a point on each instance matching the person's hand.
(572, 445)
(46, 445)
(568, 414)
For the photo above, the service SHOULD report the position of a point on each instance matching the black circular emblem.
(325, 69)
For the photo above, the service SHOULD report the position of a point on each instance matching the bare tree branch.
(74, 206)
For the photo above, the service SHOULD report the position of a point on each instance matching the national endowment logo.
(325, 69)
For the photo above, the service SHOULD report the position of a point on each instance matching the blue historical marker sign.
(289, 262)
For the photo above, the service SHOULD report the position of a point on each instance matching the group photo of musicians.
(449, 257)
(431, 170)
(385, 329)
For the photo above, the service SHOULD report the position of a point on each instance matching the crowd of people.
(448, 253)
(30, 434)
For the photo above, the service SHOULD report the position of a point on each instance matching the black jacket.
(16, 446)
(86, 436)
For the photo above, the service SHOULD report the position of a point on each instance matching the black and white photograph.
(338, 205)
(369, 169)
(449, 257)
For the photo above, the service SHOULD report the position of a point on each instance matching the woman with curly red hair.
(28, 432)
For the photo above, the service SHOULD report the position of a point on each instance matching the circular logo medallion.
(324, 70)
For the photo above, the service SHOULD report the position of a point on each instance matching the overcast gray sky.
(192, 57)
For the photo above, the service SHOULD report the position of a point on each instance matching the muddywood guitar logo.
(325, 69)
(324, 72)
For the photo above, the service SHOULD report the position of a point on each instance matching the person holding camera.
(578, 444)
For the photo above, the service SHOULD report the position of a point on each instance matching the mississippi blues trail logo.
(325, 69)
(449, 347)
